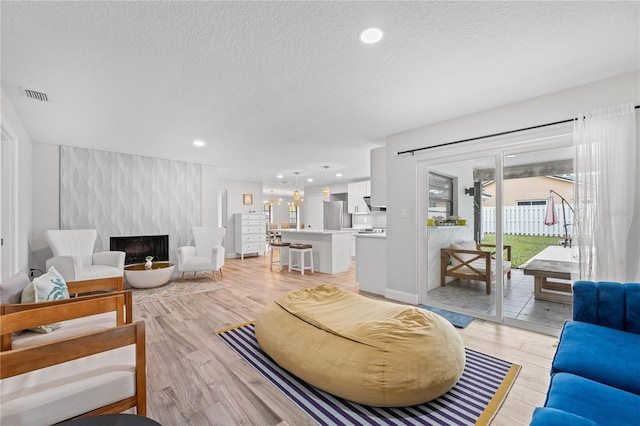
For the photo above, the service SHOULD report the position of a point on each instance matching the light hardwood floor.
(193, 378)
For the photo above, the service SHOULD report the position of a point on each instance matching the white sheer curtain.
(607, 194)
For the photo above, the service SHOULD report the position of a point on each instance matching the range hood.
(367, 201)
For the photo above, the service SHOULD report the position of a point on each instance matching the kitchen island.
(331, 249)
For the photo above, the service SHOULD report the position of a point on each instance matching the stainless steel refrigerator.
(335, 215)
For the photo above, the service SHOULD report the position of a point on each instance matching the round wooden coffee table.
(138, 277)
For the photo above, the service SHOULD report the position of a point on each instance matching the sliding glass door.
(538, 226)
(460, 273)
(497, 233)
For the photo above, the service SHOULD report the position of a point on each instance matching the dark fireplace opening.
(137, 248)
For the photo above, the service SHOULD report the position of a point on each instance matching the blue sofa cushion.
(598, 353)
(609, 304)
(545, 416)
(632, 307)
(594, 401)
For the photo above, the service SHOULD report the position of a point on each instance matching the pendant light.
(296, 193)
(271, 201)
(325, 188)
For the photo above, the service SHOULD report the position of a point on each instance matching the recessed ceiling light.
(279, 176)
(338, 174)
(310, 180)
(371, 35)
(198, 143)
(511, 156)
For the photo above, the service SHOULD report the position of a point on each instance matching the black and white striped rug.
(474, 400)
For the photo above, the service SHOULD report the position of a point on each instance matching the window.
(292, 212)
(267, 209)
(440, 195)
(532, 203)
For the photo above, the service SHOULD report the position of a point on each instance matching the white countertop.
(313, 231)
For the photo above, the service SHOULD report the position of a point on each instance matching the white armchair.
(206, 255)
(74, 258)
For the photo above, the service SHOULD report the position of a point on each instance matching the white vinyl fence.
(527, 220)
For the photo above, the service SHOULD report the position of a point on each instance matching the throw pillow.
(50, 286)
(463, 245)
(11, 288)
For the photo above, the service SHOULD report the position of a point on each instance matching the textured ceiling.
(278, 87)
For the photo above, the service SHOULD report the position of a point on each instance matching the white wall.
(210, 187)
(46, 192)
(235, 191)
(336, 188)
(13, 123)
(46, 196)
(402, 171)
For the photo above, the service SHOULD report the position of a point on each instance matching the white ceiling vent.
(39, 96)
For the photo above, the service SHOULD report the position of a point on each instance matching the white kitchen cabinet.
(371, 263)
(355, 193)
(314, 209)
(251, 233)
(353, 245)
(378, 177)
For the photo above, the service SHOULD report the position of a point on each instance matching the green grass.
(523, 247)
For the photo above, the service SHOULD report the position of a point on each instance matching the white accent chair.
(74, 258)
(207, 254)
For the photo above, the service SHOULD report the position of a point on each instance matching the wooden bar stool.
(300, 250)
(283, 249)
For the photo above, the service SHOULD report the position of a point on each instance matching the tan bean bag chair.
(367, 351)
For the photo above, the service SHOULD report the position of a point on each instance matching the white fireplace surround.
(120, 194)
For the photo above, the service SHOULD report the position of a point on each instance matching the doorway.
(498, 204)
(8, 212)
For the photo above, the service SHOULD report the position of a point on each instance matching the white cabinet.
(378, 177)
(371, 263)
(353, 245)
(355, 192)
(251, 233)
(314, 208)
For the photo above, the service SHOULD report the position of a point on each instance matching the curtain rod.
(413, 151)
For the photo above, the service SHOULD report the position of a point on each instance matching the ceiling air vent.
(39, 96)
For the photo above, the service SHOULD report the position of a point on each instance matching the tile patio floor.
(519, 302)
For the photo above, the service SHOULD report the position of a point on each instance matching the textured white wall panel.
(121, 195)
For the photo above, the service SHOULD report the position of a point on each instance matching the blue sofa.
(595, 374)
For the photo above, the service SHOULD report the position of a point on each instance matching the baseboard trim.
(401, 296)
